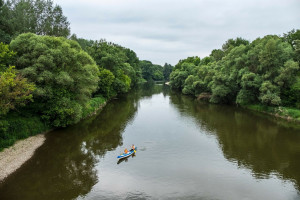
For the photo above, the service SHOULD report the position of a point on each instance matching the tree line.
(51, 79)
(264, 71)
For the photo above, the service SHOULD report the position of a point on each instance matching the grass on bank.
(285, 112)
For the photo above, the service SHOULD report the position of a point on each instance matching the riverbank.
(15, 156)
(290, 114)
(22, 148)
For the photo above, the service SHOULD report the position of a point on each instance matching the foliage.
(232, 43)
(65, 75)
(292, 36)
(151, 71)
(265, 71)
(14, 90)
(217, 54)
(106, 80)
(93, 105)
(17, 126)
(40, 17)
(6, 56)
(167, 69)
(120, 61)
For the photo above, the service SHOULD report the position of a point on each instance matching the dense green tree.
(167, 69)
(231, 43)
(265, 71)
(292, 36)
(65, 75)
(41, 17)
(147, 69)
(85, 44)
(178, 76)
(195, 60)
(269, 94)
(106, 80)
(189, 85)
(217, 54)
(122, 62)
(6, 56)
(249, 92)
(151, 71)
(14, 89)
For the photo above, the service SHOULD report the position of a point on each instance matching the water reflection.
(125, 159)
(247, 139)
(64, 167)
(227, 147)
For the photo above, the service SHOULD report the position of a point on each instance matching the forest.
(261, 75)
(49, 78)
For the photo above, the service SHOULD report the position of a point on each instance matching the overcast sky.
(169, 30)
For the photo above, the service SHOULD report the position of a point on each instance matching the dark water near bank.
(186, 150)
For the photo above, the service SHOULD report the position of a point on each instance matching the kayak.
(125, 155)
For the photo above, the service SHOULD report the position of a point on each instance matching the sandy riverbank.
(15, 156)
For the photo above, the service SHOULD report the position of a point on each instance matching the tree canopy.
(41, 17)
(264, 71)
(65, 75)
(14, 89)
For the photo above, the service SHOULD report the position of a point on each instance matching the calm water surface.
(186, 150)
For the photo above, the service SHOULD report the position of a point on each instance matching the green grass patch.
(14, 127)
(93, 105)
(286, 112)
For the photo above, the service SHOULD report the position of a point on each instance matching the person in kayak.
(126, 151)
(133, 147)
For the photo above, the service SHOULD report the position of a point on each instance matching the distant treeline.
(264, 71)
(51, 79)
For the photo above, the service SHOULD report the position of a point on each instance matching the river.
(186, 150)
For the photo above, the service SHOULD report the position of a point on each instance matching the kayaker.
(126, 151)
(133, 147)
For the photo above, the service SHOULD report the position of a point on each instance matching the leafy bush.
(93, 105)
(15, 127)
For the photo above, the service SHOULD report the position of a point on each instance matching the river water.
(186, 150)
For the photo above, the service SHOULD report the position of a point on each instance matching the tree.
(4, 28)
(14, 90)
(269, 94)
(292, 36)
(217, 54)
(189, 85)
(85, 44)
(179, 75)
(65, 75)
(147, 69)
(250, 83)
(167, 69)
(40, 17)
(106, 80)
(122, 62)
(6, 56)
(231, 43)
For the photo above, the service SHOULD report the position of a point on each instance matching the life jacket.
(126, 151)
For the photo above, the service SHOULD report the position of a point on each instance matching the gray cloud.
(168, 30)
